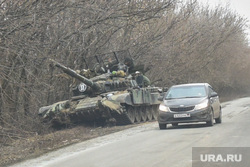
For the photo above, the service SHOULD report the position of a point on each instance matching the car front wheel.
(211, 121)
(163, 126)
(174, 124)
(219, 120)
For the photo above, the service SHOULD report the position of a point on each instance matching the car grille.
(180, 109)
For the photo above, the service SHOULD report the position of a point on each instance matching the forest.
(178, 41)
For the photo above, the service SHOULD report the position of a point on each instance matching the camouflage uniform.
(132, 68)
(142, 80)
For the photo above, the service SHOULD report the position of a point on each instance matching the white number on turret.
(82, 87)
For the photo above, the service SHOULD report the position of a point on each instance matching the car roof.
(192, 84)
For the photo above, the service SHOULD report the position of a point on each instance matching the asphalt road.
(147, 146)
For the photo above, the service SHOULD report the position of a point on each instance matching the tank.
(110, 97)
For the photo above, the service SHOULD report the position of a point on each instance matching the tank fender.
(123, 98)
(44, 109)
(109, 104)
(47, 111)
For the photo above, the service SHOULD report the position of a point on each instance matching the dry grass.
(34, 146)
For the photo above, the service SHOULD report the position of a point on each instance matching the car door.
(215, 102)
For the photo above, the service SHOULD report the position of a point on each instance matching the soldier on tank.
(141, 79)
(130, 65)
(110, 65)
(132, 68)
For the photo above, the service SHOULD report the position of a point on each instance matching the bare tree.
(179, 42)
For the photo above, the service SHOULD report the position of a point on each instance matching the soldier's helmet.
(128, 61)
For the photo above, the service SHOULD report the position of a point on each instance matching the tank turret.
(99, 84)
(95, 86)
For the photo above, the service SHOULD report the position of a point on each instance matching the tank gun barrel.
(74, 74)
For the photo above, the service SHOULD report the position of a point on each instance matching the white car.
(196, 102)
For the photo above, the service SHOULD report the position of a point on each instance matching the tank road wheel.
(137, 114)
(143, 113)
(131, 114)
(149, 113)
(155, 111)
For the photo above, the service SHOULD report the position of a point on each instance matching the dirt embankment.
(21, 149)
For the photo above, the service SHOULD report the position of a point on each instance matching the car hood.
(184, 102)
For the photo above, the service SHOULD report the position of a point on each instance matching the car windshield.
(186, 92)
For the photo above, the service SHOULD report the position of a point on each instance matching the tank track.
(136, 114)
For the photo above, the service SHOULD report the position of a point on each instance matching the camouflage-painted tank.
(113, 98)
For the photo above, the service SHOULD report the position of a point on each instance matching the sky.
(242, 7)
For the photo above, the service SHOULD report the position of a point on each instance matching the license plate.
(181, 115)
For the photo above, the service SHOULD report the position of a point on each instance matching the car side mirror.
(214, 94)
(160, 98)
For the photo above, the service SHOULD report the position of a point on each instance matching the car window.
(210, 90)
(186, 91)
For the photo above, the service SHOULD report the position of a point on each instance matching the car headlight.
(202, 105)
(164, 108)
